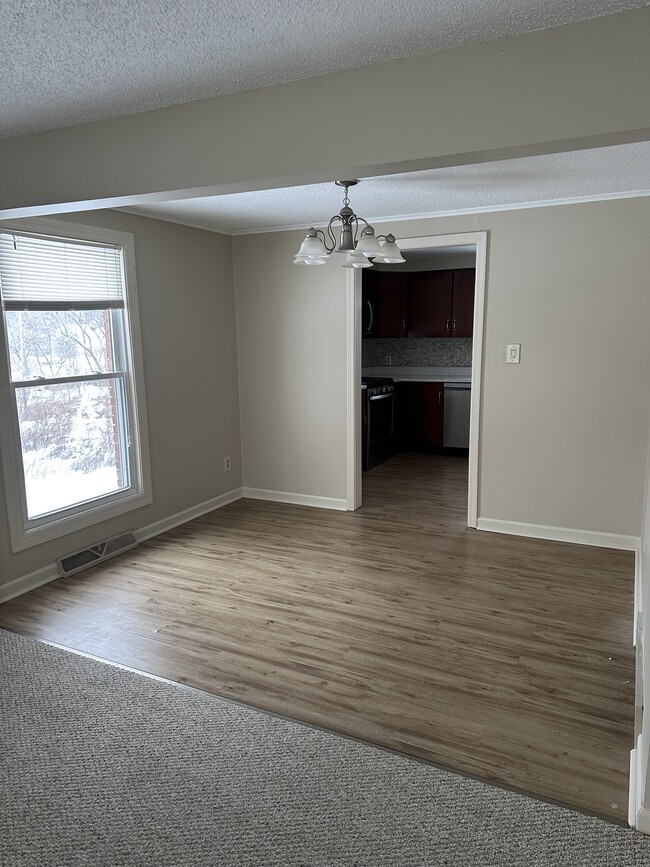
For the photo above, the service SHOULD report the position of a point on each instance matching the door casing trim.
(353, 353)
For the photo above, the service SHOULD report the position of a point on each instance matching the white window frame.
(25, 533)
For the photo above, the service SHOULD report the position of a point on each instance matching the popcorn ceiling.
(584, 174)
(66, 62)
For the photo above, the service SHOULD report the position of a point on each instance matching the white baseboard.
(49, 573)
(632, 808)
(643, 821)
(186, 515)
(638, 814)
(296, 499)
(560, 534)
(28, 582)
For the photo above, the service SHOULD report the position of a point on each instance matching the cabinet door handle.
(439, 397)
(447, 326)
(372, 317)
(454, 325)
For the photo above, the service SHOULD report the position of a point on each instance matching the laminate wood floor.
(504, 657)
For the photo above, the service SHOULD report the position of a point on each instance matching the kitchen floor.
(503, 657)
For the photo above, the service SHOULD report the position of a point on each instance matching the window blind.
(44, 273)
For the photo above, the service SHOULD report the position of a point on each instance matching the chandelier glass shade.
(356, 239)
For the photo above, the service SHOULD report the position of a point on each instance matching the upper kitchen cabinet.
(392, 303)
(441, 303)
(418, 303)
(462, 316)
(430, 295)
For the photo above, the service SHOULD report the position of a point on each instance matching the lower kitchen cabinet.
(420, 412)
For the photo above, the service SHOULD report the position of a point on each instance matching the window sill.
(93, 514)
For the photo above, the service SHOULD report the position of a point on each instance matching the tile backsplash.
(417, 352)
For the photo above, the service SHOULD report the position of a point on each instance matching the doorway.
(420, 249)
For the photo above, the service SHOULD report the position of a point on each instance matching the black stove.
(378, 384)
(379, 420)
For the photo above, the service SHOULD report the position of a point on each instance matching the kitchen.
(417, 328)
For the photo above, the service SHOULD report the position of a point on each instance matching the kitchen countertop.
(422, 374)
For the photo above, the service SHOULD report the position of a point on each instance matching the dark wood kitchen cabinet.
(462, 314)
(418, 304)
(393, 287)
(420, 413)
(441, 303)
(430, 295)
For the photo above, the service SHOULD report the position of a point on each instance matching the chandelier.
(359, 244)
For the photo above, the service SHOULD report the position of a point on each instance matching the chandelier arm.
(355, 220)
(321, 234)
(356, 227)
(330, 233)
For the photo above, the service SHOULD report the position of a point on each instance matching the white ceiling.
(622, 170)
(65, 62)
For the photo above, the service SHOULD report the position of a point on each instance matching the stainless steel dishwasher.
(456, 417)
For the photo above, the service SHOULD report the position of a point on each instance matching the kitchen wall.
(187, 315)
(417, 352)
(563, 434)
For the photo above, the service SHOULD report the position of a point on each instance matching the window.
(73, 429)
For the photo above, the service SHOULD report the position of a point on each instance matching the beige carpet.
(100, 766)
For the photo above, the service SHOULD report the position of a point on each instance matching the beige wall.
(575, 86)
(292, 374)
(187, 316)
(564, 434)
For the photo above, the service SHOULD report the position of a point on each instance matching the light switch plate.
(513, 351)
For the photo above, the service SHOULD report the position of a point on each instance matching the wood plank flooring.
(504, 657)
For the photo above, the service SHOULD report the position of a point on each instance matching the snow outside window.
(72, 435)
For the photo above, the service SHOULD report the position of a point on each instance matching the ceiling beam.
(582, 85)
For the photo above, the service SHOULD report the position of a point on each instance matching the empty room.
(335, 565)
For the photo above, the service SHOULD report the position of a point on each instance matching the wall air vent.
(87, 557)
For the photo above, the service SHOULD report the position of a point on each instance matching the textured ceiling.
(65, 62)
(619, 170)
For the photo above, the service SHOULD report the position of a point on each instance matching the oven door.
(381, 420)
